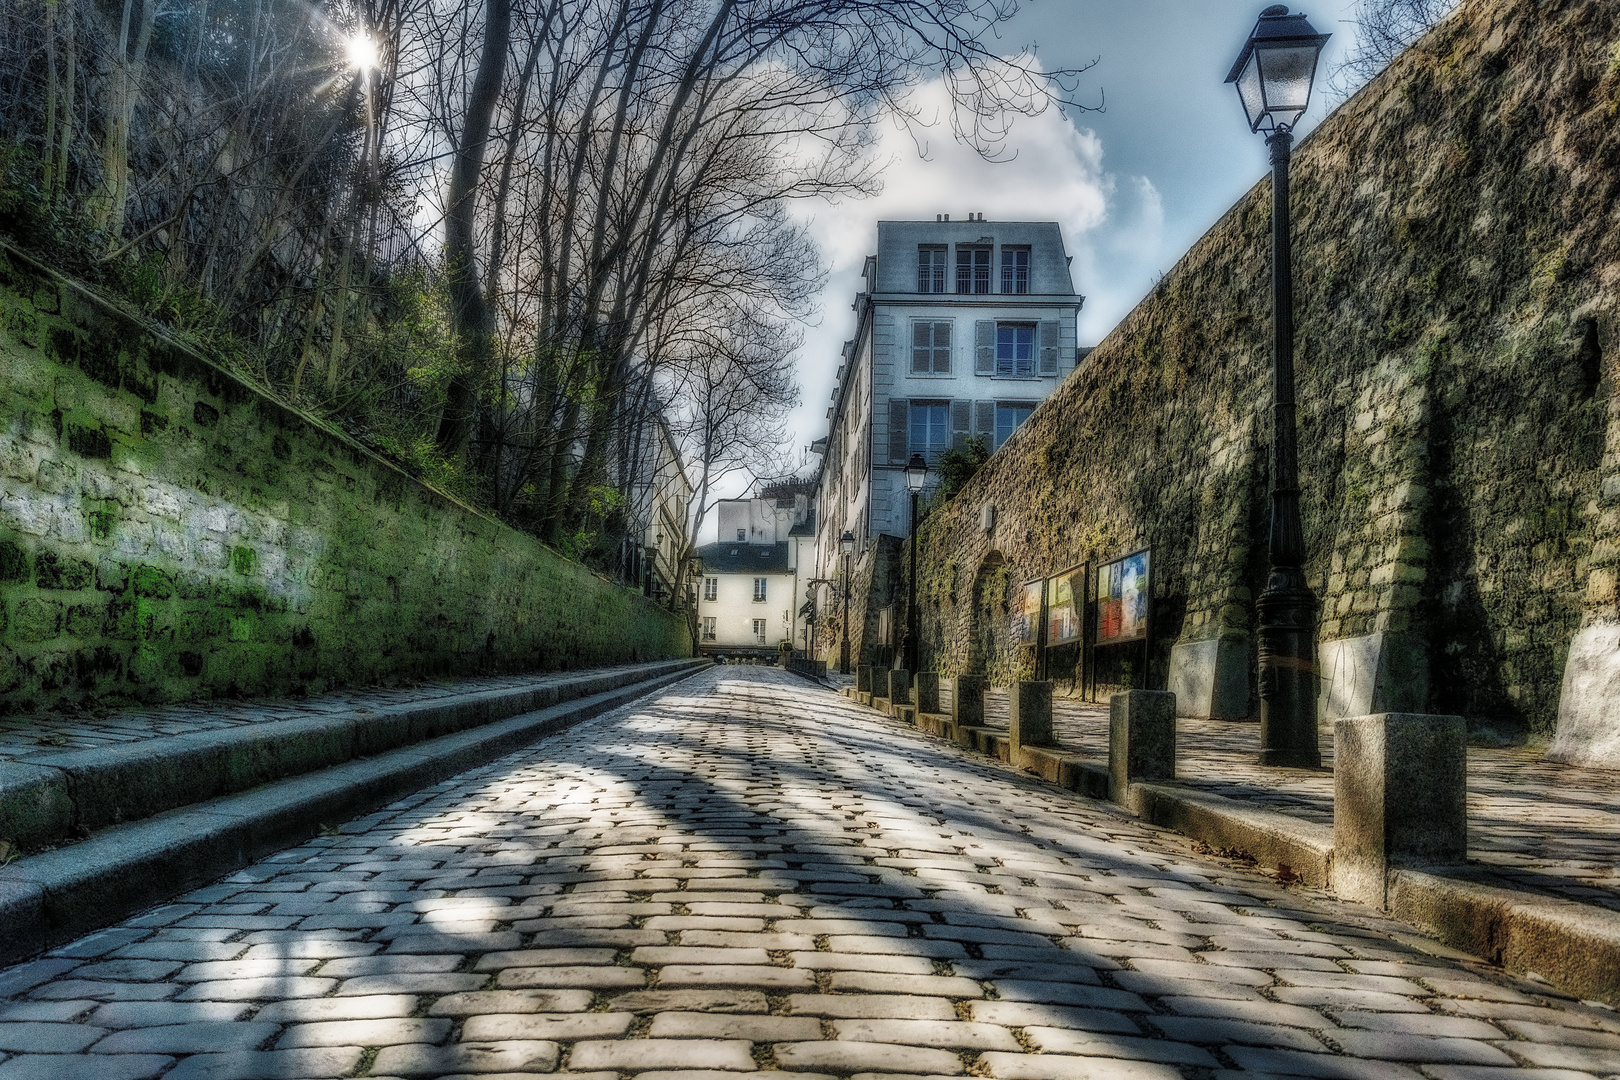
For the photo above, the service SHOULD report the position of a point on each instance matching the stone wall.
(168, 532)
(1457, 258)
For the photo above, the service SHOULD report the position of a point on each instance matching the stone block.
(1141, 739)
(899, 687)
(1030, 712)
(1399, 798)
(967, 701)
(1375, 673)
(927, 687)
(1589, 700)
(1211, 678)
(863, 678)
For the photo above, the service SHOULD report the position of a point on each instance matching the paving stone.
(756, 975)
(1457, 1027)
(85, 1067)
(1051, 993)
(1545, 1033)
(840, 1056)
(200, 1038)
(952, 1034)
(720, 1001)
(552, 1027)
(764, 1029)
(386, 1032)
(1591, 1058)
(1059, 1067)
(872, 1006)
(411, 982)
(48, 1011)
(45, 1038)
(314, 1064)
(1327, 1066)
(129, 970)
(528, 958)
(893, 965)
(733, 1055)
(1023, 1014)
(317, 1010)
(259, 989)
(602, 978)
(513, 1001)
(105, 991)
(1095, 1044)
(936, 985)
(131, 1014)
(475, 1057)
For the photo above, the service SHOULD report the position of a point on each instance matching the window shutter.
(984, 350)
(921, 340)
(1049, 347)
(942, 348)
(984, 422)
(961, 417)
(899, 415)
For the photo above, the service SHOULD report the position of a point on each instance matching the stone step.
(66, 796)
(56, 895)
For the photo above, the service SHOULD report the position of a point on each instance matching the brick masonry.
(1455, 281)
(168, 532)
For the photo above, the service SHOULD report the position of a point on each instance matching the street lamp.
(916, 473)
(1274, 74)
(846, 545)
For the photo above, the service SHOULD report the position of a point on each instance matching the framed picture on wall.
(1122, 595)
(1026, 616)
(1064, 593)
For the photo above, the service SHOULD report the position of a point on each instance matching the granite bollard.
(899, 687)
(1400, 788)
(1141, 739)
(927, 687)
(1030, 712)
(967, 701)
(863, 678)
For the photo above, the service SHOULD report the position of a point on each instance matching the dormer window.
(931, 268)
(972, 269)
(1015, 269)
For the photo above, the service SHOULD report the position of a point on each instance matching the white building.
(964, 328)
(750, 592)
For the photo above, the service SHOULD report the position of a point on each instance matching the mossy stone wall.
(167, 532)
(1457, 260)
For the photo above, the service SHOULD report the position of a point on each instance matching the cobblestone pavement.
(747, 873)
(1540, 826)
(35, 737)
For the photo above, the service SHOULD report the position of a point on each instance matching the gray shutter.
(899, 416)
(942, 347)
(921, 340)
(1049, 347)
(961, 420)
(984, 351)
(984, 422)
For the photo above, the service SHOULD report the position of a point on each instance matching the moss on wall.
(167, 532)
(1457, 259)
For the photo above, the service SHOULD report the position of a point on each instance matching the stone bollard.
(967, 701)
(1030, 712)
(927, 684)
(863, 678)
(899, 687)
(1141, 739)
(1400, 787)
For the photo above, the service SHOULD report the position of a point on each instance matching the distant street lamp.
(1274, 74)
(916, 473)
(846, 545)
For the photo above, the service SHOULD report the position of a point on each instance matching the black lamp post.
(846, 545)
(1274, 74)
(916, 473)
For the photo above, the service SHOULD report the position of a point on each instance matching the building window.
(972, 269)
(930, 348)
(1009, 417)
(1015, 349)
(708, 629)
(742, 534)
(759, 631)
(711, 588)
(1015, 269)
(759, 590)
(931, 269)
(930, 427)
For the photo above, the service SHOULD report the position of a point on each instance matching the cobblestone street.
(745, 872)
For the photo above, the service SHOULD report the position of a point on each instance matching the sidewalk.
(1535, 825)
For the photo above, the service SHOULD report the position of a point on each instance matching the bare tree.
(1385, 29)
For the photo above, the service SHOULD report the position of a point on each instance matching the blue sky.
(1134, 186)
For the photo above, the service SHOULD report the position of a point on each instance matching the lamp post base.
(1288, 725)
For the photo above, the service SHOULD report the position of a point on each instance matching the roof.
(741, 558)
(808, 527)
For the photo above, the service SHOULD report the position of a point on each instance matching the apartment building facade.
(750, 596)
(963, 329)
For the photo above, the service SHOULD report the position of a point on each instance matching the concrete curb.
(56, 896)
(1574, 946)
(62, 796)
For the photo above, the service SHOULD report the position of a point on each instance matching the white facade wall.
(734, 610)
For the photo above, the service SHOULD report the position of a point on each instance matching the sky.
(1133, 185)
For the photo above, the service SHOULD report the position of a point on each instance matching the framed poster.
(1026, 616)
(1064, 594)
(1122, 597)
